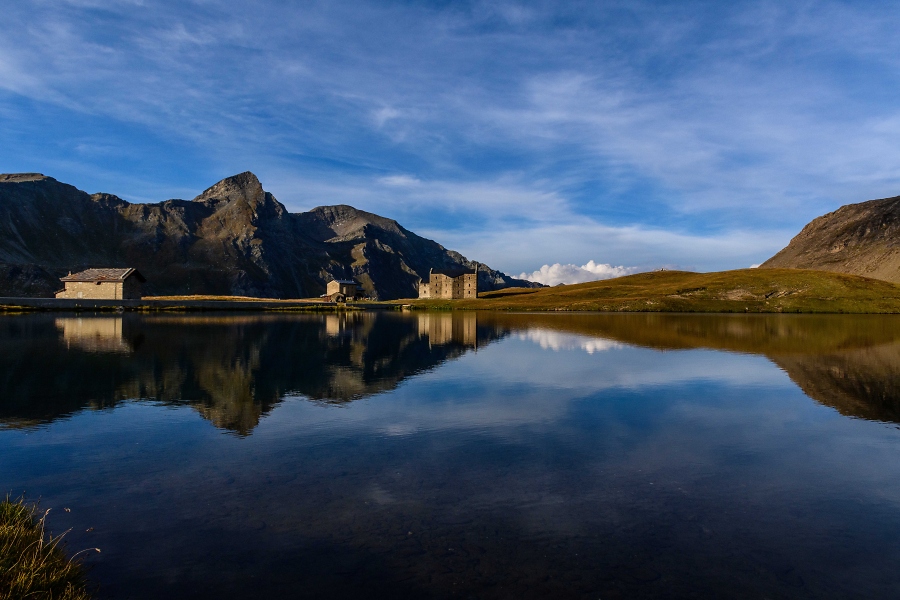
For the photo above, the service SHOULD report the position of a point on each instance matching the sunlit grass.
(744, 290)
(33, 564)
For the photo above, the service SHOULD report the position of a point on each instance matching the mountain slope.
(859, 239)
(234, 238)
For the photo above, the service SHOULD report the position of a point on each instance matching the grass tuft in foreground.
(33, 564)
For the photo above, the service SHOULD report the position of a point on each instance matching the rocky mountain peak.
(860, 239)
(22, 177)
(343, 221)
(243, 187)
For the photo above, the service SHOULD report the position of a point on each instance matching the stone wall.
(443, 286)
(103, 290)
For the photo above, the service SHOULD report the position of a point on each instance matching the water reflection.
(235, 369)
(232, 369)
(93, 334)
(581, 456)
(851, 363)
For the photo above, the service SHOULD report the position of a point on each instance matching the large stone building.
(103, 284)
(450, 283)
(339, 290)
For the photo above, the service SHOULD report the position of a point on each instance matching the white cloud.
(549, 339)
(558, 273)
(400, 180)
(385, 114)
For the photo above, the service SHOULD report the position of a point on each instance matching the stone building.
(339, 290)
(103, 284)
(450, 283)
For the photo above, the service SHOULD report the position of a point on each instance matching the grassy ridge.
(32, 564)
(744, 290)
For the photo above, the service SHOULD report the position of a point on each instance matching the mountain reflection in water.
(848, 362)
(232, 369)
(235, 369)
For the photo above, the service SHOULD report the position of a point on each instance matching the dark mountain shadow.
(231, 369)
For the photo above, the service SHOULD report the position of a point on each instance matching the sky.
(563, 141)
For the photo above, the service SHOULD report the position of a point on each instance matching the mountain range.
(858, 239)
(233, 239)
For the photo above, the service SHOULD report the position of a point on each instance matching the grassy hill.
(744, 290)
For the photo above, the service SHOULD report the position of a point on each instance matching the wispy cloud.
(400, 181)
(518, 249)
(664, 133)
(513, 227)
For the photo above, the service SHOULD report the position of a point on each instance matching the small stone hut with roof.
(450, 283)
(339, 290)
(103, 284)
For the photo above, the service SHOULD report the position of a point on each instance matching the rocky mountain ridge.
(858, 239)
(233, 239)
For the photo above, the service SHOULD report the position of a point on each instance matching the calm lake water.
(441, 455)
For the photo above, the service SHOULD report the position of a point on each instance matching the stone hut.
(103, 284)
(450, 283)
(339, 290)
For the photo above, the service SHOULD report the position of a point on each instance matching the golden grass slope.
(744, 290)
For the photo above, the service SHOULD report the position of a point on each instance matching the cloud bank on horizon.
(642, 133)
(556, 273)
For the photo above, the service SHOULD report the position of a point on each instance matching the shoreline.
(738, 291)
(13, 305)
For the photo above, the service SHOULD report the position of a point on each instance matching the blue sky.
(702, 135)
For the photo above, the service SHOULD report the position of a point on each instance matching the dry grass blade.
(33, 564)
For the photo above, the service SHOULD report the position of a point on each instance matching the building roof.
(453, 272)
(345, 281)
(104, 275)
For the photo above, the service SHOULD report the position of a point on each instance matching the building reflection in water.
(447, 328)
(93, 334)
(335, 324)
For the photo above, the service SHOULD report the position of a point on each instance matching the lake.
(440, 455)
